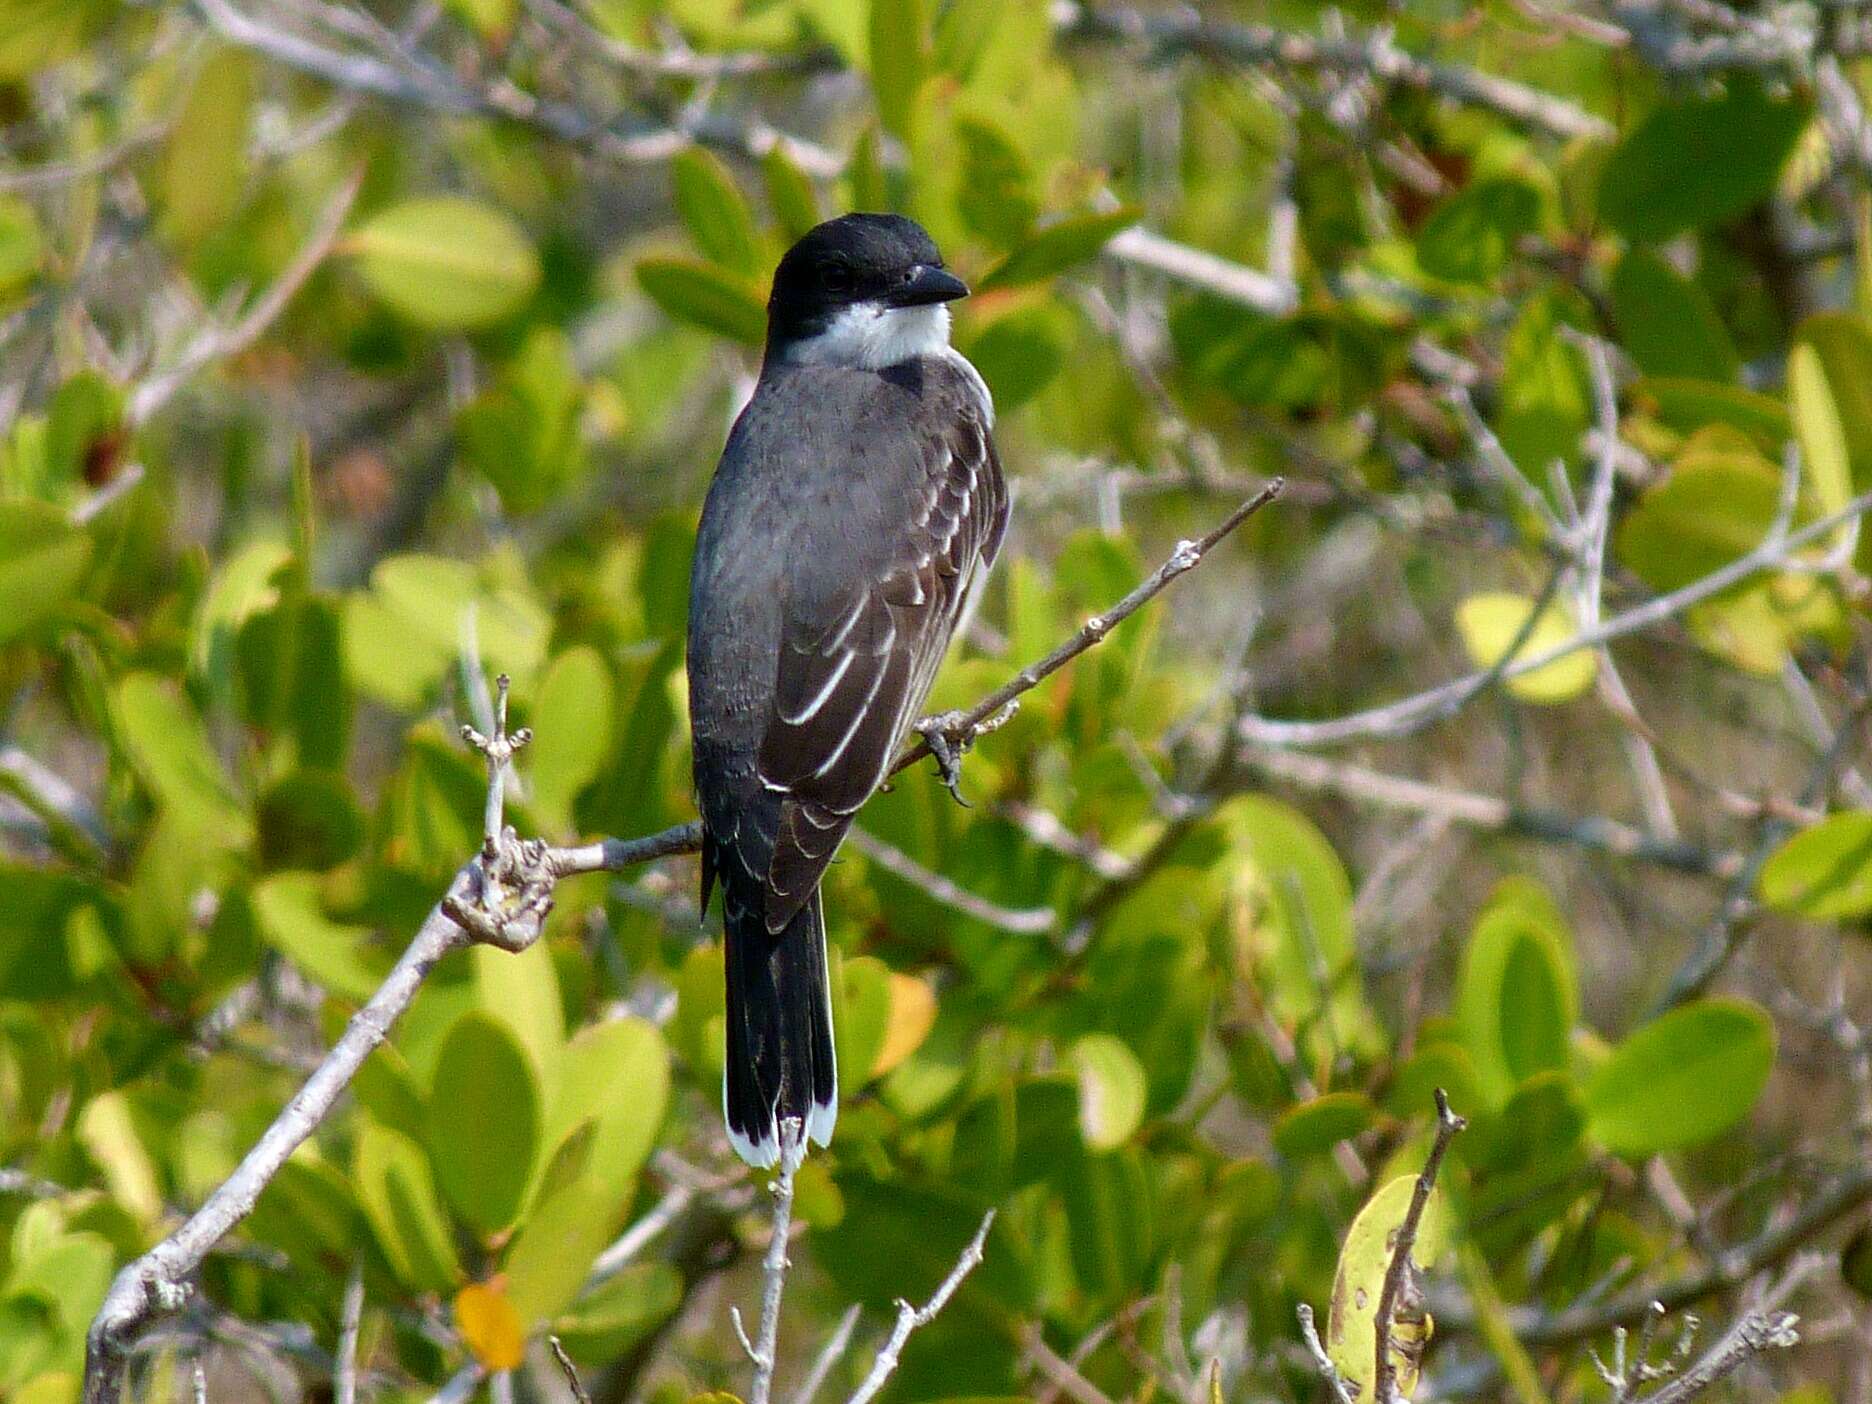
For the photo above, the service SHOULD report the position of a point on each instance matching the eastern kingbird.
(855, 511)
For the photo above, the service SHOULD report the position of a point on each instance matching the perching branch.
(960, 729)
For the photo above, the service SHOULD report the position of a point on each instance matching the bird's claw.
(948, 739)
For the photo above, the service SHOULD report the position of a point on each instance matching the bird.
(856, 509)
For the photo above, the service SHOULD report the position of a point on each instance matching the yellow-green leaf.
(1491, 622)
(1112, 1089)
(1824, 871)
(1351, 1324)
(706, 295)
(446, 262)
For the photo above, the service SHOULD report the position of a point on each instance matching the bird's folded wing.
(854, 670)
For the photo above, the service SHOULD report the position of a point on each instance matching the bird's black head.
(853, 270)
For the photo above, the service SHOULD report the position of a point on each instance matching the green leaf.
(1824, 871)
(557, 1244)
(526, 433)
(1689, 405)
(1825, 461)
(861, 1001)
(1294, 920)
(108, 1131)
(1471, 236)
(243, 587)
(572, 722)
(1358, 1282)
(22, 246)
(1057, 247)
(1545, 404)
(1681, 1079)
(42, 563)
(789, 192)
(1492, 621)
(1312, 1127)
(484, 1121)
(293, 921)
(605, 1323)
(900, 46)
(1111, 1090)
(617, 1076)
(996, 196)
(1666, 323)
(1713, 509)
(706, 296)
(1699, 162)
(1108, 1210)
(168, 746)
(446, 262)
(715, 212)
(206, 162)
(394, 1184)
(521, 989)
(1518, 995)
(1843, 343)
(1019, 354)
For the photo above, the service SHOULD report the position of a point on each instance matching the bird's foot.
(949, 735)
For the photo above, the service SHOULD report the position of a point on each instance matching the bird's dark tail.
(780, 1064)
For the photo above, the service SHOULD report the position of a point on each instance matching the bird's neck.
(872, 336)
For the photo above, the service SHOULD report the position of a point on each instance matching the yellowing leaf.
(490, 1325)
(1351, 1326)
(912, 1014)
(1491, 622)
(109, 1136)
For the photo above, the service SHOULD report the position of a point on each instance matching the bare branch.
(1359, 55)
(217, 343)
(1325, 775)
(1384, 1383)
(909, 1318)
(1410, 714)
(569, 1370)
(764, 1351)
(1024, 921)
(1342, 1390)
(833, 1352)
(962, 729)
(350, 1318)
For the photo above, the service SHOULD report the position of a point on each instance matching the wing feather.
(853, 673)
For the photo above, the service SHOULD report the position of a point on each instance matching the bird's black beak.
(925, 284)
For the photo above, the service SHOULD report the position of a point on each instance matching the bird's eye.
(837, 277)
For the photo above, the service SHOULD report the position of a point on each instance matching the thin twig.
(962, 728)
(909, 1318)
(218, 343)
(1329, 1372)
(764, 1351)
(350, 1318)
(569, 1370)
(1410, 714)
(1060, 1372)
(833, 1352)
(1021, 921)
(1384, 1383)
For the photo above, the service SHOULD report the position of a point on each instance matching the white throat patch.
(872, 335)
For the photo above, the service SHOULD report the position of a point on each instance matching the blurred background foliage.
(354, 350)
